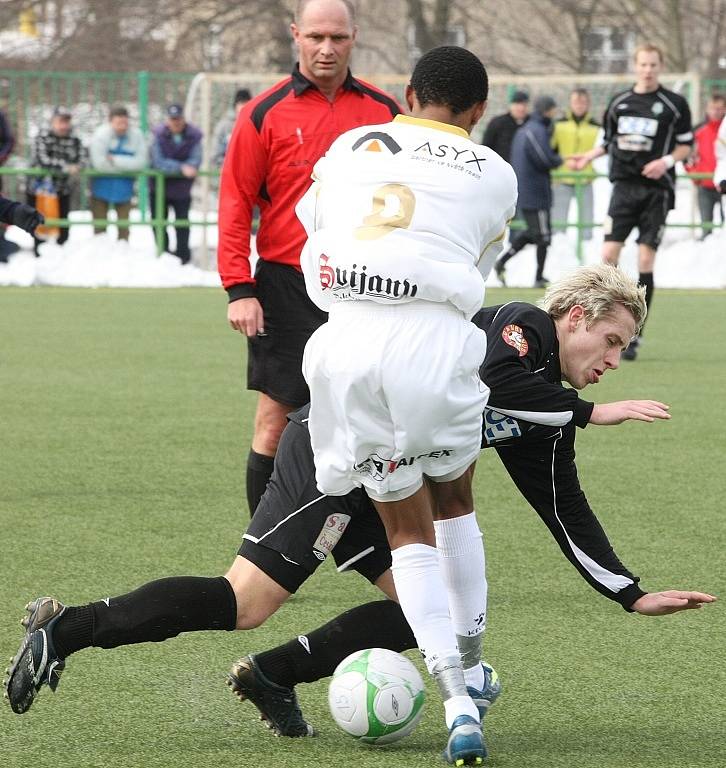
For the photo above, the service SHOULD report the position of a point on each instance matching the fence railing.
(161, 221)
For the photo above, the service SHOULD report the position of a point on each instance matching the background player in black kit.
(530, 421)
(647, 131)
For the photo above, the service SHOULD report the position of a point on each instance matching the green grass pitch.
(124, 430)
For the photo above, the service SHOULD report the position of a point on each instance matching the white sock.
(424, 602)
(474, 677)
(463, 565)
(459, 705)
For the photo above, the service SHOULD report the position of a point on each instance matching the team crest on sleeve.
(514, 336)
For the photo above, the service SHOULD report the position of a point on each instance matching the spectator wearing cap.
(223, 129)
(532, 159)
(176, 150)
(115, 146)
(501, 129)
(60, 152)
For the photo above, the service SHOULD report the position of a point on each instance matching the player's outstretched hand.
(27, 218)
(640, 410)
(670, 601)
(245, 316)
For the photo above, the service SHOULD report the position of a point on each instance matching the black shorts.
(538, 225)
(274, 361)
(637, 205)
(295, 527)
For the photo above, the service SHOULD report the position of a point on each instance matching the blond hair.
(649, 48)
(598, 289)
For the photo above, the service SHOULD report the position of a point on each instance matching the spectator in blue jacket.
(115, 146)
(532, 159)
(177, 150)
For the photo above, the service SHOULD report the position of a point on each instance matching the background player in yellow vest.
(574, 134)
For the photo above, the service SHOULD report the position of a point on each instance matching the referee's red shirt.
(277, 139)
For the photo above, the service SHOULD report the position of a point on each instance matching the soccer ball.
(376, 695)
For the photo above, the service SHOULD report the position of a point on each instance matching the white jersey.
(405, 211)
(720, 173)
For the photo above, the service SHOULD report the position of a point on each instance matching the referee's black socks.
(152, 613)
(315, 655)
(259, 471)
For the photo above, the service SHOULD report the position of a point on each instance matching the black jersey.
(640, 127)
(530, 421)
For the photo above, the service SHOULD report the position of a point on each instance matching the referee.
(647, 131)
(278, 137)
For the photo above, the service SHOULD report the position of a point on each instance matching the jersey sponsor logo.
(379, 468)
(354, 282)
(635, 133)
(514, 336)
(498, 426)
(465, 156)
(373, 141)
(643, 126)
(329, 536)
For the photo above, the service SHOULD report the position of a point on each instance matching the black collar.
(300, 83)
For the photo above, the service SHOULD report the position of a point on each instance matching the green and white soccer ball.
(376, 695)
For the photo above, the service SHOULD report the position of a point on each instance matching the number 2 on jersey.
(377, 223)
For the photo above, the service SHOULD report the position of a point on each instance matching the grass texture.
(125, 426)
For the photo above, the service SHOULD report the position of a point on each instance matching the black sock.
(541, 258)
(259, 469)
(310, 657)
(152, 613)
(646, 279)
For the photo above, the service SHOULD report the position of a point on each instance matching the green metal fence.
(160, 222)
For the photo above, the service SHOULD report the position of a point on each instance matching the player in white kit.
(404, 222)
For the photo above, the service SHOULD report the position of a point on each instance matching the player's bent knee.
(258, 596)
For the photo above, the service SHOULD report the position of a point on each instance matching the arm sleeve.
(684, 126)
(7, 207)
(7, 139)
(489, 139)
(43, 156)
(80, 153)
(137, 160)
(720, 149)
(547, 478)
(609, 126)
(158, 160)
(243, 177)
(98, 151)
(517, 389)
(195, 156)
(540, 154)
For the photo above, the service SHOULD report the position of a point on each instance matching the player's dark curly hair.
(450, 76)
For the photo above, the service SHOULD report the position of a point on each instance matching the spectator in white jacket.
(116, 146)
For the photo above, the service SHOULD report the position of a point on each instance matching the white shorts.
(395, 394)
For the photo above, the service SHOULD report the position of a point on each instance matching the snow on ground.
(92, 261)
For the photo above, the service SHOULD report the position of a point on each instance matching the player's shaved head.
(303, 4)
(452, 77)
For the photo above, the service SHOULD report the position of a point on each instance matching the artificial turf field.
(125, 428)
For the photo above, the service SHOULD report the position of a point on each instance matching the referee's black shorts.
(295, 526)
(634, 204)
(274, 361)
